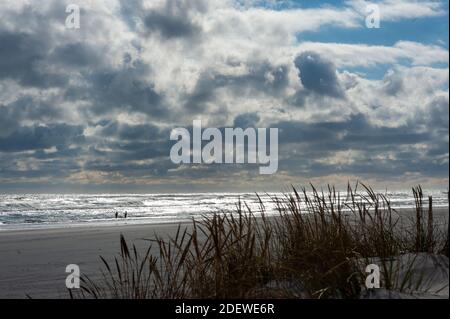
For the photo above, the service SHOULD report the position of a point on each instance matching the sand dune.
(33, 262)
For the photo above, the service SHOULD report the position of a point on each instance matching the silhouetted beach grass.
(317, 247)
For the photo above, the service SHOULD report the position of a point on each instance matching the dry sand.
(33, 262)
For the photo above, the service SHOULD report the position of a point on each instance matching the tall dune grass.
(317, 247)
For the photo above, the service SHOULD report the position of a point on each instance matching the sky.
(91, 109)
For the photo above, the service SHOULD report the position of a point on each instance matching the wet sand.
(33, 262)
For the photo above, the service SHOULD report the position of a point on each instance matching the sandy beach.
(33, 262)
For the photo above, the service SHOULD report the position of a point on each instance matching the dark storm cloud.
(307, 144)
(318, 75)
(369, 167)
(77, 55)
(174, 19)
(62, 152)
(130, 168)
(438, 149)
(142, 150)
(127, 142)
(72, 77)
(204, 92)
(118, 145)
(128, 88)
(41, 137)
(170, 26)
(127, 132)
(393, 83)
(22, 58)
(303, 146)
(28, 57)
(355, 133)
(53, 168)
(123, 153)
(130, 11)
(26, 109)
(436, 117)
(246, 120)
(261, 78)
(437, 114)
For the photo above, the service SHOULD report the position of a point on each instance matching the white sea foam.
(50, 210)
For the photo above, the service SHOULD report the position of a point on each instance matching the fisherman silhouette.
(117, 214)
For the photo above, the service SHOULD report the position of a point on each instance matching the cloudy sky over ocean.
(91, 109)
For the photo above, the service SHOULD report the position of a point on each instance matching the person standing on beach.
(116, 214)
(125, 215)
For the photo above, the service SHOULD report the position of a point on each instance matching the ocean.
(26, 211)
